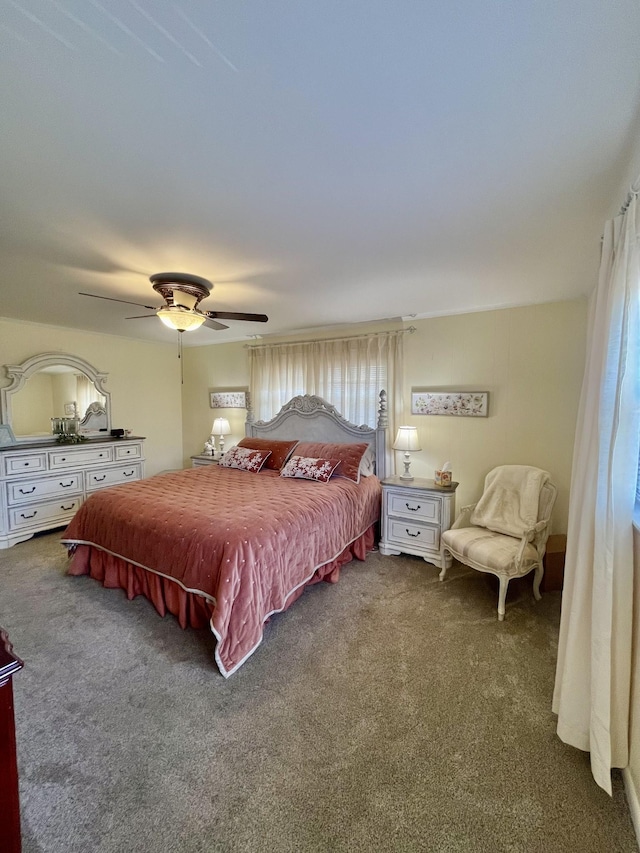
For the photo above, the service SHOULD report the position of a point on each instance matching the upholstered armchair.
(505, 533)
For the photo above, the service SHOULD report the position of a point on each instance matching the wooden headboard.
(310, 418)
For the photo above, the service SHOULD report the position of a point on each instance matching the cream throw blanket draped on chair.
(510, 501)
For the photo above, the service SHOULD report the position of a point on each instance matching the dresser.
(43, 484)
(415, 513)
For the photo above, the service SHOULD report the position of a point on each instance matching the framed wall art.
(233, 398)
(467, 404)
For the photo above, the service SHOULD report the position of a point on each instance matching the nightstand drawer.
(413, 506)
(415, 535)
(201, 460)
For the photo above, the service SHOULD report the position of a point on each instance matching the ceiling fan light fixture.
(181, 319)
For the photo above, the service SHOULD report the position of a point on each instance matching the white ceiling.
(321, 161)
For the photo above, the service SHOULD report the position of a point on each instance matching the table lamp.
(220, 428)
(407, 440)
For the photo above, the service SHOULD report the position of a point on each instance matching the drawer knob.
(413, 508)
(99, 479)
(33, 514)
(67, 508)
(409, 533)
(129, 473)
(27, 491)
(66, 485)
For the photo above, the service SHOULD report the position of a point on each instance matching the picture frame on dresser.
(7, 437)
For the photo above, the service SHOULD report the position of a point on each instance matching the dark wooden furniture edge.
(10, 663)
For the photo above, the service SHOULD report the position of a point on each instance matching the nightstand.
(203, 459)
(415, 513)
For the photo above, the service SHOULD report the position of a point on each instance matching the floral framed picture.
(467, 404)
(233, 398)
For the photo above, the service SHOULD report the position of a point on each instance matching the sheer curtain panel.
(349, 373)
(593, 677)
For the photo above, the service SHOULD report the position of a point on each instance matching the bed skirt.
(192, 609)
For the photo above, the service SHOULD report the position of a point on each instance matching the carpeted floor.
(388, 712)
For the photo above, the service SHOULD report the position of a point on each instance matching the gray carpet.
(387, 712)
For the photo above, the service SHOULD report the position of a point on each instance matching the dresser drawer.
(128, 451)
(27, 491)
(39, 515)
(25, 462)
(59, 459)
(418, 536)
(112, 476)
(413, 506)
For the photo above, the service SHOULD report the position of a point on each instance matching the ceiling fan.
(182, 294)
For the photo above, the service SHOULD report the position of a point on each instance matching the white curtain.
(347, 372)
(85, 394)
(593, 677)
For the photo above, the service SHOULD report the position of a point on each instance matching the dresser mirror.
(54, 385)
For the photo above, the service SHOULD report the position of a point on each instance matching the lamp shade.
(220, 427)
(407, 439)
(181, 319)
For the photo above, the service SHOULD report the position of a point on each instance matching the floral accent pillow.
(309, 468)
(244, 458)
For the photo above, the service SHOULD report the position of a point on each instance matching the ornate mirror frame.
(19, 373)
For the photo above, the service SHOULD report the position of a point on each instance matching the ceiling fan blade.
(112, 299)
(141, 317)
(234, 315)
(213, 324)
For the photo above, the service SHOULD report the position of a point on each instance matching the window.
(347, 372)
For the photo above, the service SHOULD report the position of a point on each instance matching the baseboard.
(633, 801)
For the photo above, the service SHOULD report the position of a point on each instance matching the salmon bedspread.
(243, 545)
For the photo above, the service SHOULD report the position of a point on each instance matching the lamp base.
(407, 461)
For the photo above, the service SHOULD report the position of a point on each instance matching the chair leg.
(537, 580)
(443, 564)
(502, 595)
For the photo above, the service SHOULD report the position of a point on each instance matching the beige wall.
(208, 369)
(530, 360)
(144, 381)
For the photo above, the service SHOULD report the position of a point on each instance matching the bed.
(229, 545)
